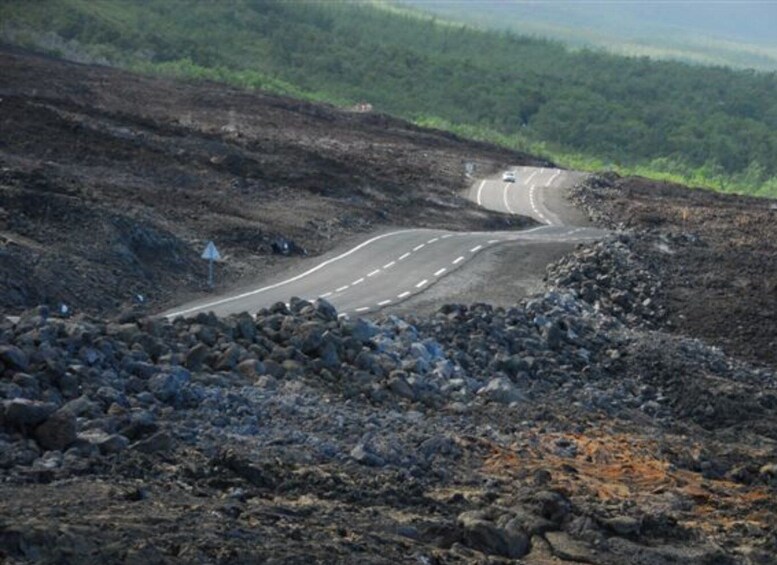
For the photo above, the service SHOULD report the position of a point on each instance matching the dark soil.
(112, 183)
(716, 255)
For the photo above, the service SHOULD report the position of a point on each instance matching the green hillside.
(702, 125)
(734, 33)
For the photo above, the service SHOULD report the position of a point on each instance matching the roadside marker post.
(211, 254)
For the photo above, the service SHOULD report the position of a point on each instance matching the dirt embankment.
(716, 255)
(111, 183)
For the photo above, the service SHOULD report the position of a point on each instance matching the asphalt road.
(393, 267)
(535, 193)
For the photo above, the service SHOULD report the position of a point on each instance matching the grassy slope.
(281, 47)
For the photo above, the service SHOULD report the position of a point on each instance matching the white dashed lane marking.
(533, 201)
(534, 205)
(537, 210)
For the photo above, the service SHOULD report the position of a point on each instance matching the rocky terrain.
(716, 255)
(563, 429)
(625, 414)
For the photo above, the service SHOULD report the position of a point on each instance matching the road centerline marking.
(422, 283)
(538, 207)
(404, 294)
(384, 302)
(388, 265)
(417, 247)
(504, 197)
(476, 249)
(357, 281)
(405, 256)
(480, 191)
(440, 271)
(233, 298)
(533, 203)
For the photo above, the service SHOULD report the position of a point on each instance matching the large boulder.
(14, 358)
(502, 391)
(23, 412)
(167, 386)
(486, 536)
(58, 431)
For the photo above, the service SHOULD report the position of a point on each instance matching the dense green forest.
(737, 33)
(703, 125)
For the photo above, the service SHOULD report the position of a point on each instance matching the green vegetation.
(736, 34)
(703, 125)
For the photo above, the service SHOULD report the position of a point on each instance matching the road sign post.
(211, 254)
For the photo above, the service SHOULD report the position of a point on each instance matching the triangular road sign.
(211, 252)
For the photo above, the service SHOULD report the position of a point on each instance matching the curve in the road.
(527, 195)
(392, 267)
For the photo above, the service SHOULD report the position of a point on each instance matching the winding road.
(392, 267)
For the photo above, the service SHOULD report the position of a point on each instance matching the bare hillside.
(111, 183)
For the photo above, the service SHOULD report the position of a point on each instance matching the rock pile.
(589, 194)
(298, 400)
(609, 276)
(84, 387)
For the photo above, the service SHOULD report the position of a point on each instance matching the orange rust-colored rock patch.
(614, 468)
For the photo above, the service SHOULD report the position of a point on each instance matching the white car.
(508, 176)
